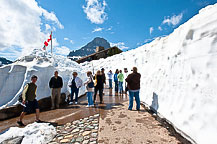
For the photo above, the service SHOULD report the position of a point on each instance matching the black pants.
(100, 93)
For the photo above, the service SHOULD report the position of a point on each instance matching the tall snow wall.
(179, 75)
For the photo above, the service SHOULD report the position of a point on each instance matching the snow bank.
(181, 69)
(33, 133)
(14, 77)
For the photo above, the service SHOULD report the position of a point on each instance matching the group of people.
(94, 84)
(118, 79)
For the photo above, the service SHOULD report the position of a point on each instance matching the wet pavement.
(70, 113)
(116, 123)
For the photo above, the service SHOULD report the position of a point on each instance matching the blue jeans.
(116, 86)
(90, 98)
(121, 87)
(136, 95)
(110, 83)
(74, 91)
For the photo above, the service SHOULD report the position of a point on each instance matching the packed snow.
(179, 75)
(36, 133)
(14, 77)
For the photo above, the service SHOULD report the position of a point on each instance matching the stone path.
(83, 131)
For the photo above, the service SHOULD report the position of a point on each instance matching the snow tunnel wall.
(179, 75)
(13, 78)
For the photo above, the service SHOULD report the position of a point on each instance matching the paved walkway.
(116, 123)
(132, 127)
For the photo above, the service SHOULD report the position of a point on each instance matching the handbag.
(91, 84)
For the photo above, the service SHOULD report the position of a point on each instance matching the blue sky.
(126, 23)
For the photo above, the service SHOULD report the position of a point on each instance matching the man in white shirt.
(110, 76)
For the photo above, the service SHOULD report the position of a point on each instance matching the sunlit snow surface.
(15, 76)
(36, 133)
(182, 70)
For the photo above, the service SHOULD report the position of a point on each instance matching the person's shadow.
(155, 105)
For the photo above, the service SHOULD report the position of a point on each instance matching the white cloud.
(95, 10)
(10, 54)
(151, 29)
(63, 50)
(98, 29)
(20, 26)
(160, 28)
(48, 27)
(58, 49)
(109, 29)
(120, 45)
(174, 20)
(67, 39)
(52, 17)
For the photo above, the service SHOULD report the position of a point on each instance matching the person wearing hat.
(133, 84)
(75, 84)
(29, 100)
(110, 75)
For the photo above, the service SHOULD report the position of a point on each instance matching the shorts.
(31, 106)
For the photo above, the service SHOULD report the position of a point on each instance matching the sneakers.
(90, 106)
(20, 123)
(71, 103)
(76, 102)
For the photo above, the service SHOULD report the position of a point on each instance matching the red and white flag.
(46, 42)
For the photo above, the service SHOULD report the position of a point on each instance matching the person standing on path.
(56, 83)
(125, 83)
(116, 80)
(121, 80)
(29, 100)
(98, 86)
(74, 83)
(90, 89)
(110, 75)
(133, 83)
(103, 77)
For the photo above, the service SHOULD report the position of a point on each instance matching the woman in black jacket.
(98, 86)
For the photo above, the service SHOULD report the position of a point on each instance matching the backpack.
(20, 99)
(91, 84)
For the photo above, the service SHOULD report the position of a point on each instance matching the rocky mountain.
(90, 47)
(4, 61)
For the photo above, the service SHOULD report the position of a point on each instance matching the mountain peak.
(4, 61)
(90, 48)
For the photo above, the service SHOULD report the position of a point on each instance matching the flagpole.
(51, 44)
